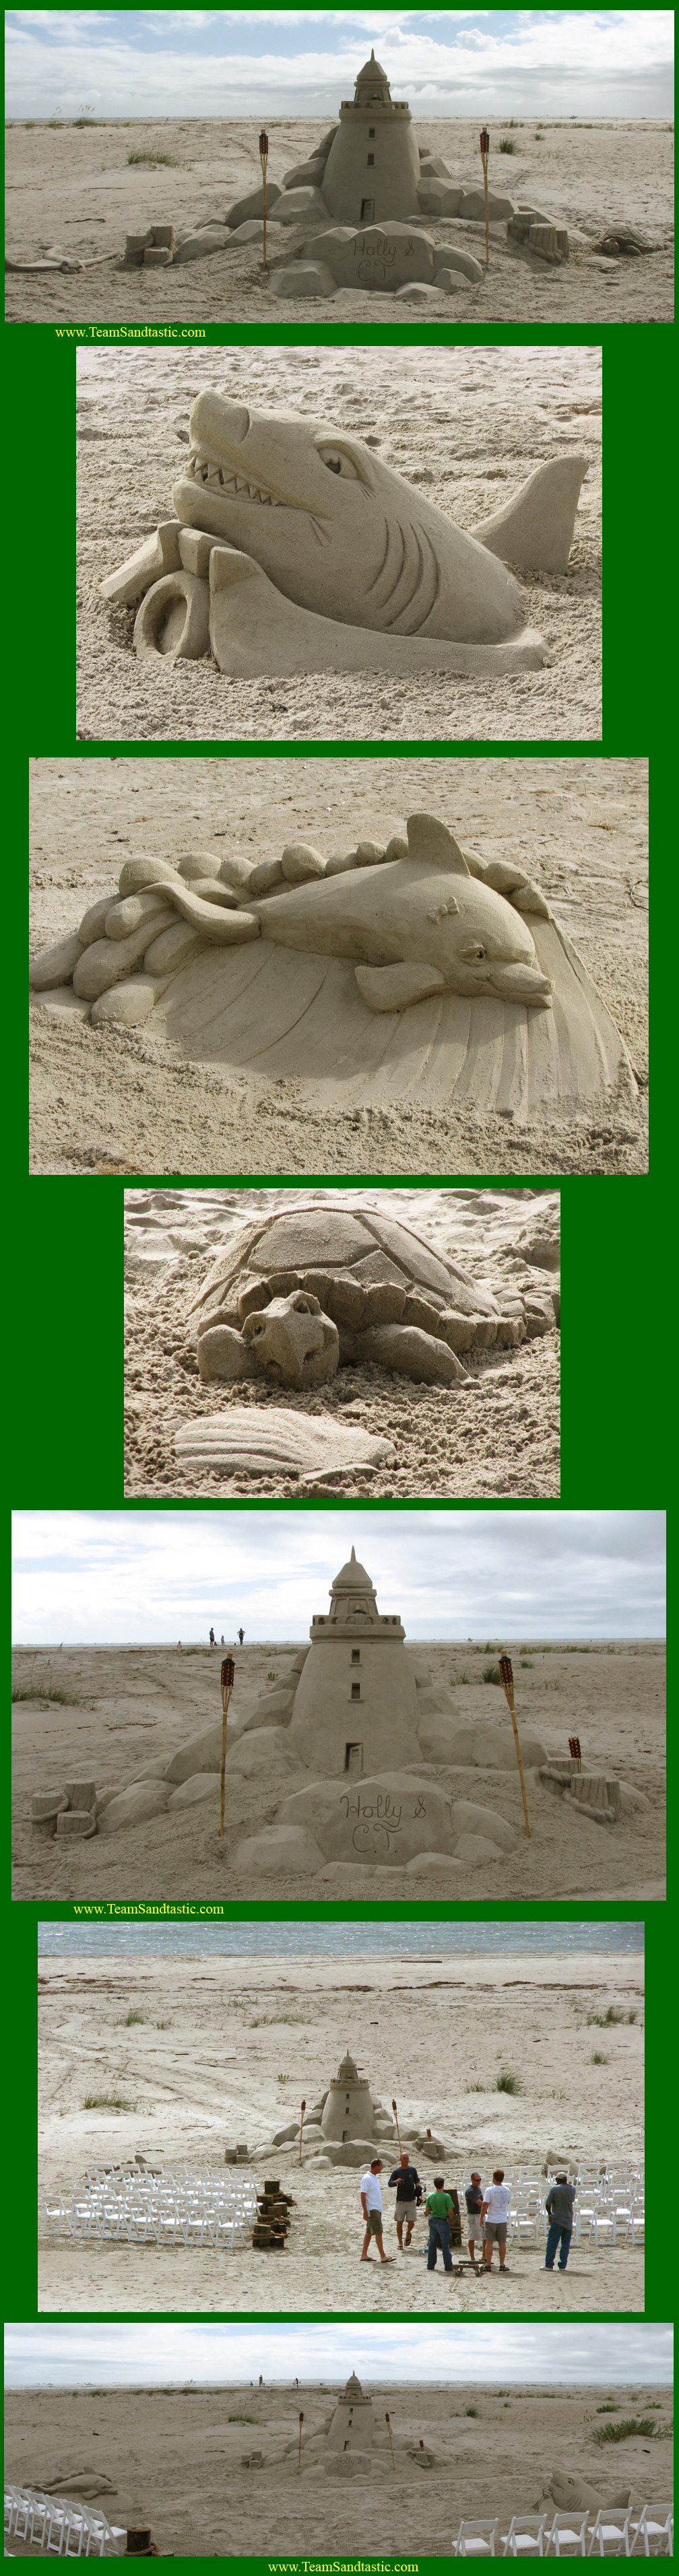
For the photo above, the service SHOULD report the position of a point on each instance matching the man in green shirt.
(439, 2204)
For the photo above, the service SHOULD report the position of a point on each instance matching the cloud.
(118, 1578)
(610, 2355)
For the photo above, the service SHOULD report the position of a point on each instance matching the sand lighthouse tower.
(348, 2110)
(352, 2427)
(356, 1702)
(372, 171)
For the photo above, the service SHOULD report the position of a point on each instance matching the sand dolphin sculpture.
(298, 550)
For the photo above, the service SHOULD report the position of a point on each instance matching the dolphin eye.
(474, 950)
(338, 463)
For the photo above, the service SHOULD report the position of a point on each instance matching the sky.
(67, 2356)
(302, 62)
(495, 1576)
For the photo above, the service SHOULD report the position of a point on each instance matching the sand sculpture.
(382, 972)
(369, 173)
(271, 1441)
(348, 2123)
(297, 550)
(307, 1292)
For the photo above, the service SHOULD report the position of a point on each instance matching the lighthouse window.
(371, 160)
(367, 217)
(355, 1690)
(355, 1654)
(371, 134)
(353, 1759)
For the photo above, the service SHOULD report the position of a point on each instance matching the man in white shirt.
(494, 2217)
(371, 2204)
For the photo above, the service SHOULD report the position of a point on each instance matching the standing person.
(222, 1641)
(241, 1634)
(439, 2204)
(406, 2183)
(559, 2205)
(213, 1640)
(474, 2200)
(371, 2204)
(494, 2215)
(179, 1645)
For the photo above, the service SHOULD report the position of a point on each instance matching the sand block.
(246, 1442)
(81, 1794)
(204, 1784)
(443, 1864)
(387, 1818)
(202, 1753)
(472, 208)
(305, 277)
(157, 258)
(382, 256)
(476, 1848)
(127, 1004)
(195, 549)
(488, 1748)
(596, 1793)
(459, 261)
(550, 240)
(466, 1818)
(79, 1823)
(199, 246)
(134, 1806)
(251, 231)
(251, 1753)
(418, 292)
(158, 554)
(296, 203)
(243, 207)
(55, 966)
(285, 1851)
(135, 246)
(46, 1806)
(439, 196)
(275, 1709)
(306, 174)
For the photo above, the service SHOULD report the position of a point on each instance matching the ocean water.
(300, 1940)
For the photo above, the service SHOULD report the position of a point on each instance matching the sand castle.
(397, 972)
(369, 173)
(295, 549)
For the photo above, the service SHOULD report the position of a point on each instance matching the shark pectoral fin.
(535, 531)
(228, 565)
(430, 840)
(517, 889)
(392, 988)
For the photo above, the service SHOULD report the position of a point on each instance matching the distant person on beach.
(494, 2215)
(439, 2204)
(222, 1641)
(406, 2183)
(559, 2205)
(241, 1634)
(179, 1645)
(213, 1640)
(371, 2204)
(474, 2200)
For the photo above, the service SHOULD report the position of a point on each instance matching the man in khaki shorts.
(371, 2204)
(494, 2215)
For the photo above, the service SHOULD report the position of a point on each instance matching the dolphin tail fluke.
(535, 531)
(393, 988)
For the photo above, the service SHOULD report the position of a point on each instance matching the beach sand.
(176, 2455)
(138, 1704)
(125, 1099)
(75, 188)
(224, 2049)
(471, 424)
(496, 1433)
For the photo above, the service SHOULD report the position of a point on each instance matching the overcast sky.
(496, 1576)
(65, 2356)
(301, 62)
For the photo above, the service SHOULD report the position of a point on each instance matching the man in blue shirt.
(559, 2205)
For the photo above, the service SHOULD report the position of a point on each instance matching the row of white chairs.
(173, 2208)
(590, 2226)
(55, 2526)
(568, 2535)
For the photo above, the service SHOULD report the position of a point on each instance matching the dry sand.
(225, 2050)
(177, 2456)
(125, 1099)
(132, 1705)
(74, 188)
(497, 1434)
(472, 424)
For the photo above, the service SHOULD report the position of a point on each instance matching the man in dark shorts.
(406, 2183)
(474, 2200)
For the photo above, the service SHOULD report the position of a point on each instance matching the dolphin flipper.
(393, 988)
(535, 531)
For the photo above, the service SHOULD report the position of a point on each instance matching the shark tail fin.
(535, 531)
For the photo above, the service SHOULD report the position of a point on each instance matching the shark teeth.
(223, 478)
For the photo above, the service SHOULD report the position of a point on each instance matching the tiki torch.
(507, 1680)
(301, 2125)
(574, 1750)
(227, 1681)
(264, 155)
(299, 2452)
(484, 140)
(398, 2132)
(391, 2446)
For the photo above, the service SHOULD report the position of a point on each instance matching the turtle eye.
(338, 462)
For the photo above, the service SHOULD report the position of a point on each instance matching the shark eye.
(338, 463)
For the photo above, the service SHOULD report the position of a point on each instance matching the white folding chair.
(604, 2229)
(653, 2539)
(609, 2536)
(525, 2536)
(567, 2537)
(477, 2539)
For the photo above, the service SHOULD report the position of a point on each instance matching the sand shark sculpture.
(297, 550)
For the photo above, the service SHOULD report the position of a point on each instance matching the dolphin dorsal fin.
(431, 840)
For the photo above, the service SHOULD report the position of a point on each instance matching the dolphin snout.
(521, 984)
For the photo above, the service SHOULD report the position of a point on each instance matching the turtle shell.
(365, 1269)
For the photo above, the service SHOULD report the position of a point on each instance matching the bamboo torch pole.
(391, 2446)
(400, 2149)
(299, 2451)
(263, 155)
(301, 2125)
(484, 140)
(227, 1681)
(507, 1680)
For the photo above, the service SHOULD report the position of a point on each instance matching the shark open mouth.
(224, 478)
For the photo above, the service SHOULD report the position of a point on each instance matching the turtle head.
(292, 1341)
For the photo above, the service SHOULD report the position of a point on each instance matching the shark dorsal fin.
(428, 839)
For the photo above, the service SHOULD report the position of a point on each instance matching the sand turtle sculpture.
(319, 1287)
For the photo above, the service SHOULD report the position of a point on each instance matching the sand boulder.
(285, 1850)
(133, 1806)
